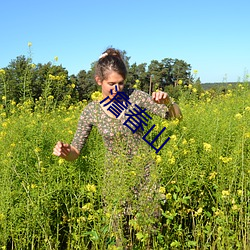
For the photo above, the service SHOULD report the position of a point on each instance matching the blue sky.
(212, 36)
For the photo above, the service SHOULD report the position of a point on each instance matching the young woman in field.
(110, 74)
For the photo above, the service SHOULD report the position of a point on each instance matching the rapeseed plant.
(203, 172)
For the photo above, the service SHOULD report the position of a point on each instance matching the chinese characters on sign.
(136, 117)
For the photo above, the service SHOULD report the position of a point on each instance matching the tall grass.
(203, 173)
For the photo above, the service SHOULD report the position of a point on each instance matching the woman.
(110, 74)
(119, 139)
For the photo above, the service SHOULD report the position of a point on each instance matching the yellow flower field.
(203, 173)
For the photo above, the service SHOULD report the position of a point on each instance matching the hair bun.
(111, 52)
(103, 55)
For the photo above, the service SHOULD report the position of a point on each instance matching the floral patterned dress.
(112, 129)
(137, 187)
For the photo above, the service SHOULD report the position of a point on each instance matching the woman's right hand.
(66, 151)
(61, 149)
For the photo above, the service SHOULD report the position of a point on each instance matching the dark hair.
(110, 60)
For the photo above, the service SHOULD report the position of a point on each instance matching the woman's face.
(113, 81)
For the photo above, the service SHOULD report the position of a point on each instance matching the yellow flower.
(156, 127)
(247, 135)
(56, 58)
(225, 159)
(247, 108)
(73, 85)
(180, 82)
(171, 160)
(3, 97)
(184, 141)
(168, 196)
(51, 77)
(29, 44)
(2, 217)
(108, 215)
(192, 140)
(195, 71)
(235, 207)
(61, 161)
(37, 149)
(190, 86)
(198, 212)
(4, 124)
(90, 217)
(239, 192)
(164, 124)
(158, 159)
(91, 188)
(218, 212)
(33, 186)
(162, 190)
(133, 173)
(173, 137)
(175, 122)
(96, 96)
(137, 81)
(207, 147)
(50, 97)
(2, 72)
(194, 90)
(212, 175)
(225, 193)
(238, 116)
(87, 207)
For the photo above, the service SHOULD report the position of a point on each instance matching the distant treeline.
(23, 79)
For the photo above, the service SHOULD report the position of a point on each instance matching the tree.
(86, 84)
(181, 71)
(50, 79)
(18, 79)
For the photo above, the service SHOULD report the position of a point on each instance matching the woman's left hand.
(161, 97)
